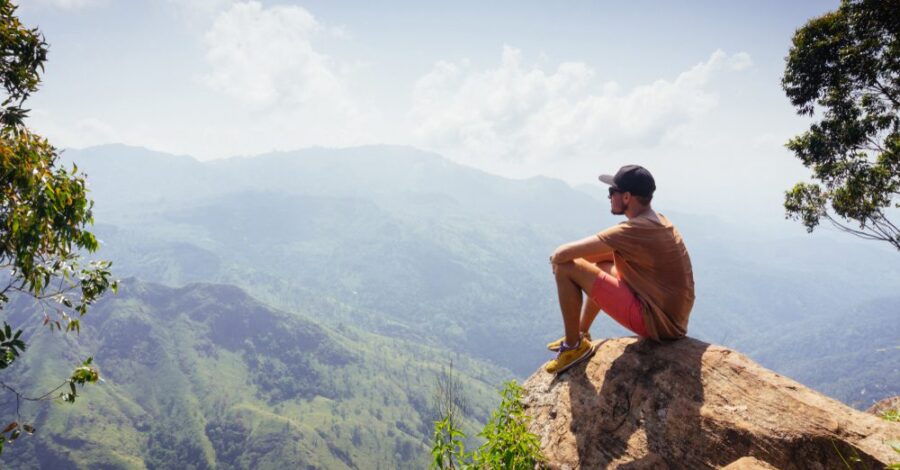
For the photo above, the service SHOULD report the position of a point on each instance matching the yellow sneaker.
(569, 357)
(554, 346)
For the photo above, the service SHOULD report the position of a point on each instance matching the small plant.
(853, 457)
(447, 445)
(893, 416)
(508, 444)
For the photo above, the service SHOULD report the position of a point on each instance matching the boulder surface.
(689, 404)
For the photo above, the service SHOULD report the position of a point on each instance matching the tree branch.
(880, 232)
(885, 92)
(858, 233)
(875, 144)
(20, 397)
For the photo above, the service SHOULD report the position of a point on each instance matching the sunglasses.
(614, 191)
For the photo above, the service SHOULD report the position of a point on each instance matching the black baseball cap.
(634, 179)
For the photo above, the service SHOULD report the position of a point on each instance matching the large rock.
(689, 404)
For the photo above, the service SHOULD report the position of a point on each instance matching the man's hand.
(555, 258)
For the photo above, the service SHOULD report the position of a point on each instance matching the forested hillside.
(208, 377)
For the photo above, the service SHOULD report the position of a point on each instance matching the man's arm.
(599, 258)
(590, 248)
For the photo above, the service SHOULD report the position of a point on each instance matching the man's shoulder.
(639, 227)
(655, 220)
(663, 219)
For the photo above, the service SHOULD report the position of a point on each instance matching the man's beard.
(620, 212)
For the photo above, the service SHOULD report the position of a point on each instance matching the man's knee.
(564, 270)
(580, 271)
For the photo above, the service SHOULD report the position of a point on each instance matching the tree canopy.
(844, 68)
(44, 216)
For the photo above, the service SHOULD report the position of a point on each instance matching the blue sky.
(563, 89)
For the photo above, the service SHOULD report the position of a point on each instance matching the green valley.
(206, 376)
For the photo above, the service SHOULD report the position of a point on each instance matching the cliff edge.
(688, 404)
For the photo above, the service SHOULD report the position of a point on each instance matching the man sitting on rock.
(637, 271)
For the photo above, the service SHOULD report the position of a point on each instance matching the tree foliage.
(844, 67)
(44, 215)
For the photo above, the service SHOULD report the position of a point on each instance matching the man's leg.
(591, 309)
(573, 280)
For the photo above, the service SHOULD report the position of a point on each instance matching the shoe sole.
(587, 354)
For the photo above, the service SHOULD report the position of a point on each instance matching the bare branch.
(875, 146)
(858, 233)
(20, 397)
(887, 94)
(880, 233)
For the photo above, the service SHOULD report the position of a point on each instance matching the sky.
(569, 90)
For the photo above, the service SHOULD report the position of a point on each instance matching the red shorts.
(620, 302)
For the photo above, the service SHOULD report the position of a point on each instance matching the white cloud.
(67, 4)
(199, 13)
(202, 5)
(521, 115)
(263, 87)
(286, 93)
(264, 57)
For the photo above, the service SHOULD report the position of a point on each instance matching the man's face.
(617, 201)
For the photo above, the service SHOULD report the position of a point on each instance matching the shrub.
(508, 444)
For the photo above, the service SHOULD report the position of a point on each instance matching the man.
(637, 271)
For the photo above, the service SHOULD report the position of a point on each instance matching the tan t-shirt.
(651, 258)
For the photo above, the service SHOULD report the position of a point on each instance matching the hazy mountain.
(848, 353)
(402, 178)
(406, 243)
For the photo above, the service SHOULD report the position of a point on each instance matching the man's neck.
(638, 211)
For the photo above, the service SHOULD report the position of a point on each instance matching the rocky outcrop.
(688, 404)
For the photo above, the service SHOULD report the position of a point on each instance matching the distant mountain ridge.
(392, 175)
(408, 244)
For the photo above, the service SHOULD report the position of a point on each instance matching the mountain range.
(277, 306)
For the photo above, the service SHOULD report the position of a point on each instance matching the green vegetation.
(384, 270)
(852, 459)
(205, 376)
(44, 212)
(847, 63)
(507, 442)
(893, 415)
